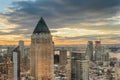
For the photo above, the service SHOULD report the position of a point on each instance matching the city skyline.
(71, 22)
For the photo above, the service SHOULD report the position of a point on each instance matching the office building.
(42, 57)
(16, 61)
(79, 66)
(63, 57)
(89, 50)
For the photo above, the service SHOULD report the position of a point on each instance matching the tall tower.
(16, 61)
(79, 66)
(63, 57)
(89, 50)
(42, 57)
(98, 49)
(21, 48)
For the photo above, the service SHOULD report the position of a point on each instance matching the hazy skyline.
(70, 21)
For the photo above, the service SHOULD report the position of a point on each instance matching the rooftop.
(41, 27)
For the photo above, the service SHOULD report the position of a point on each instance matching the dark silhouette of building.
(56, 59)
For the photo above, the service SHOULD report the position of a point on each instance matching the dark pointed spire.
(41, 27)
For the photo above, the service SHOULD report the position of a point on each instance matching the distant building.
(97, 44)
(101, 54)
(89, 50)
(79, 66)
(10, 51)
(1, 58)
(6, 69)
(113, 61)
(63, 57)
(21, 49)
(56, 59)
(68, 66)
(42, 57)
(16, 61)
(26, 59)
(98, 51)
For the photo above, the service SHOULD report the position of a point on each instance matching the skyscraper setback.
(42, 61)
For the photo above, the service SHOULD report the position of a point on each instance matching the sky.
(70, 21)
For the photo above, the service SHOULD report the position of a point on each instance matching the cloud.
(90, 37)
(99, 15)
(60, 12)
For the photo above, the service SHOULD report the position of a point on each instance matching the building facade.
(101, 55)
(63, 57)
(79, 66)
(16, 61)
(42, 57)
(89, 50)
(6, 69)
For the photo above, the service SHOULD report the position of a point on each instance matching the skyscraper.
(98, 50)
(42, 57)
(63, 57)
(89, 50)
(79, 66)
(21, 49)
(101, 54)
(22, 55)
(16, 61)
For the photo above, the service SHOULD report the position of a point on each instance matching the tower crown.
(41, 27)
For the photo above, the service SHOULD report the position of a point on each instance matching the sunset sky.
(70, 21)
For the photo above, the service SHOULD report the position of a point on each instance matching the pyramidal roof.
(41, 27)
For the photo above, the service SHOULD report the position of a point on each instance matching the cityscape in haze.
(60, 40)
